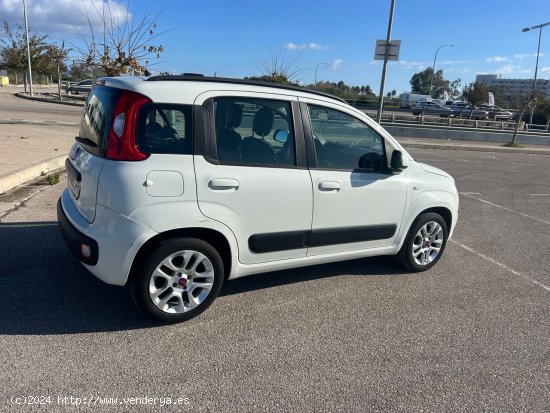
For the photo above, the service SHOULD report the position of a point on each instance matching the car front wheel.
(425, 243)
(179, 280)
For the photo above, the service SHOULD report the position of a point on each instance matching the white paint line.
(539, 194)
(470, 193)
(485, 257)
(523, 163)
(506, 209)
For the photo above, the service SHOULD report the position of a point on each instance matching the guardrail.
(398, 118)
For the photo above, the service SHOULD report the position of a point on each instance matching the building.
(514, 87)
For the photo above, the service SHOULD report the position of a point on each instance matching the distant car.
(466, 110)
(431, 108)
(84, 86)
(67, 84)
(497, 113)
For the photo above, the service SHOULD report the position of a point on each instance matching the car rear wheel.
(425, 243)
(179, 280)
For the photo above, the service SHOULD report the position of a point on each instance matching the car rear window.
(165, 128)
(96, 118)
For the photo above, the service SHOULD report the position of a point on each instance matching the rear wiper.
(86, 141)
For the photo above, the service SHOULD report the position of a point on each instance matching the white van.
(407, 100)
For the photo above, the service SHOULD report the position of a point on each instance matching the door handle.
(218, 184)
(329, 186)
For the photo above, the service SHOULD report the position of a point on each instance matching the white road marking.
(523, 163)
(539, 194)
(506, 209)
(470, 193)
(503, 266)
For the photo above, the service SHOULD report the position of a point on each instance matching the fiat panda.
(179, 183)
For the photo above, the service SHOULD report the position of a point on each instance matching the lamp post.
(317, 67)
(526, 29)
(433, 67)
(28, 49)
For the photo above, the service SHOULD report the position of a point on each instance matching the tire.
(178, 280)
(425, 243)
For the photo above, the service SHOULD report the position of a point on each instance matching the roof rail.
(195, 77)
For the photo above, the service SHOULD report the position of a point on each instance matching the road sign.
(393, 49)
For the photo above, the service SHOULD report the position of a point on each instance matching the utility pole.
(388, 37)
(28, 49)
(526, 29)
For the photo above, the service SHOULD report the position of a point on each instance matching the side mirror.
(281, 135)
(397, 160)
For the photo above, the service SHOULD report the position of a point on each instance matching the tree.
(369, 91)
(13, 50)
(126, 44)
(531, 99)
(542, 113)
(455, 88)
(79, 71)
(52, 60)
(420, 83)
(13, 47)
(476, 94)
(343, 90)
(278, 69)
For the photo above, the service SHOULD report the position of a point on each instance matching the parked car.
(497, 113)
(466, 110)
(431, 108)
(84, 86)
(178, 183)
(67, 84)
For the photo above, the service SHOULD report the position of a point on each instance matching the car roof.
(162, 87)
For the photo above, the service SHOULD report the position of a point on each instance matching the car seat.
(228, 140)
(257, 150)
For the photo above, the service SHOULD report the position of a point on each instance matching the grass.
(513, 145)
(53, 178)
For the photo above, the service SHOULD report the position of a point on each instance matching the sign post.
(386, 45)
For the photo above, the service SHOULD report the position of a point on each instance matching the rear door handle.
(329, 186)
(218, 184)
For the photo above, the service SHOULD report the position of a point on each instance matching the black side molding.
(283, 241)
(334, 236)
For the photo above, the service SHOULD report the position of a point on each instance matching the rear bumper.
(117, 239)
(75, 239)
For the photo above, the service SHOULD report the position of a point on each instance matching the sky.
(236, 38)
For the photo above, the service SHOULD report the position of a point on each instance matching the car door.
(358, 201)
(253, 177)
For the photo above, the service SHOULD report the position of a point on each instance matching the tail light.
(121, 143)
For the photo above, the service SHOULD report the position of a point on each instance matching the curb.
(419, 145)
(22, 96)
(23, 176)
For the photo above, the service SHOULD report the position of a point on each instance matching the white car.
(178, 183)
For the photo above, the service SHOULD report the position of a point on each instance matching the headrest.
(263, 122)
(233, 116)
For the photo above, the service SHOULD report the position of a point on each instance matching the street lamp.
(317, 67)
(433, 67)
(526, 29)
(28, 49)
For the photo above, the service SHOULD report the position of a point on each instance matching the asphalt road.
(16, 109)
(472, 334)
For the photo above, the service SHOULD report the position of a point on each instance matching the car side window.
(165, 128)
(254, 132)
(344, 142)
